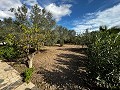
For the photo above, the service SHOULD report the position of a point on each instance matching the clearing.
(61, 68)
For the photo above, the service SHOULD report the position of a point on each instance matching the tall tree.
(71, 36)
(63, 33)
(32, 29)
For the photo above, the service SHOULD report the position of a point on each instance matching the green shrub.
(9, 52)
(28, 74)
(1, 53)
(104, 60)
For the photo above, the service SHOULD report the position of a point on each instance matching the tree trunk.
(30, 57)
(82, 45)
(61, 42)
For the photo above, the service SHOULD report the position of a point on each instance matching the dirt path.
(59, 68)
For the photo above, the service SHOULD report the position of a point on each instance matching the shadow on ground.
(76, 50)
(69, 72)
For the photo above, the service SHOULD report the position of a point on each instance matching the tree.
(7, 30)
(84, 39)
(63, 33)
(71, 36)
(31, 34)
(51, 38)
(31, 39)
(115, 29)
(44, 21)
(103, 28)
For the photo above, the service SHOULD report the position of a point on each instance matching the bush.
(9, 52)
(104, 60)
(28, 74)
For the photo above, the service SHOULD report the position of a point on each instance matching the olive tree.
(63, 34)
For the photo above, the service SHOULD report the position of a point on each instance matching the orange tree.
(31, 27)
(104, 60)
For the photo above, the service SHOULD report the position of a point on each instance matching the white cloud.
(82, 28)
(30, 2)
(59, 11)
(5, 14)
(6, 5)
(69, 1)
(109, 17)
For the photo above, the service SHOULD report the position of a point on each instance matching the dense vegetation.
(24, 35)
(30, 32)
(103, 67)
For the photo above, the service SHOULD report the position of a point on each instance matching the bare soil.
(60, 68)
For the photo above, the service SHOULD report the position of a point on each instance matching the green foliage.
(103, 28)
(103, 67)
(10, 39)
(61, 42)
(62, 34)
(59, 35)
(31, 37)
(114, 30)
(70, 37)
(9, 52)
(27, 31)
(33, 31)
(28, 74)
(51, 38)
(104, 60)
(1, 52)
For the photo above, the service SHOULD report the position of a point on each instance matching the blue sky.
(73, 14)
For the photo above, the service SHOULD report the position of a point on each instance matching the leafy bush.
(28, 74)
(9, 52)
(104, 60)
